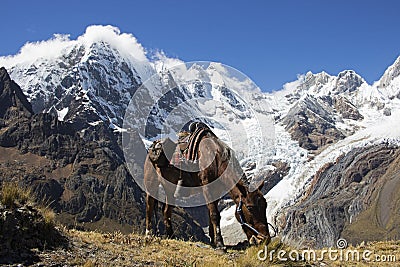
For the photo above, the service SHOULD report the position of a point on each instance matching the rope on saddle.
(194, 142)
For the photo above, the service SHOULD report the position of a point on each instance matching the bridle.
(243, 222)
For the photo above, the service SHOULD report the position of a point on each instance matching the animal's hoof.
(220, 250)
(148, 232)
(255, 241)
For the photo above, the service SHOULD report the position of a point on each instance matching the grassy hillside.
(29, 236)
(116, 249)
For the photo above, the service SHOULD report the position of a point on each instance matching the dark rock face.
(273, 177)
(320, 104)
(387, 112)
(79, 170)
(312, 124)
(338, 194)
(12, 100)
(346, 108)
(312, 120)
(380, 219)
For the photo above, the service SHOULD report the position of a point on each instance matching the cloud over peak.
(59, 44)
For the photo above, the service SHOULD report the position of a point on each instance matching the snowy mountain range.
(309, 123)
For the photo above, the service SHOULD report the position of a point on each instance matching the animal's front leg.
(150, 201)
(215, 219)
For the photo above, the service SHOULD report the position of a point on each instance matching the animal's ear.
(153, 155)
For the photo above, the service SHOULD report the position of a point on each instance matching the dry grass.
(117, 249)
(12, 195)
(48, 215)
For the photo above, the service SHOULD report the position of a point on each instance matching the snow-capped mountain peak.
(390, 74)
(61, 44)
(87, 75)
(390, 81)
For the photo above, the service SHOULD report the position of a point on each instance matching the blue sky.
(270, 41)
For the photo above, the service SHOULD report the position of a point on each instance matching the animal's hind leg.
(167, 212)
(211, 230)
(150, 201)
(215, 230)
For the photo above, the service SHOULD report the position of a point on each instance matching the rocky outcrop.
(312, 123)
(347, 81)
(380, 218)
(273, 177)
(23, 229)
(346, 109)
(323, 108)
(339, 192)
(13, 102)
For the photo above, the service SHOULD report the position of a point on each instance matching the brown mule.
(218, 170)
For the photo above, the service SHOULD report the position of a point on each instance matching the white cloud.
(162, 62)
(50, 49)
(125, 43)
(31, 52)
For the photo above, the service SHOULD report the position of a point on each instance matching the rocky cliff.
(363, 181)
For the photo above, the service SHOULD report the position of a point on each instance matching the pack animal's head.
(161, 151)
(251, 214)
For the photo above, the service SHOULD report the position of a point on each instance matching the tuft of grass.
(89, 263)
(48, 216)
(12, 195)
